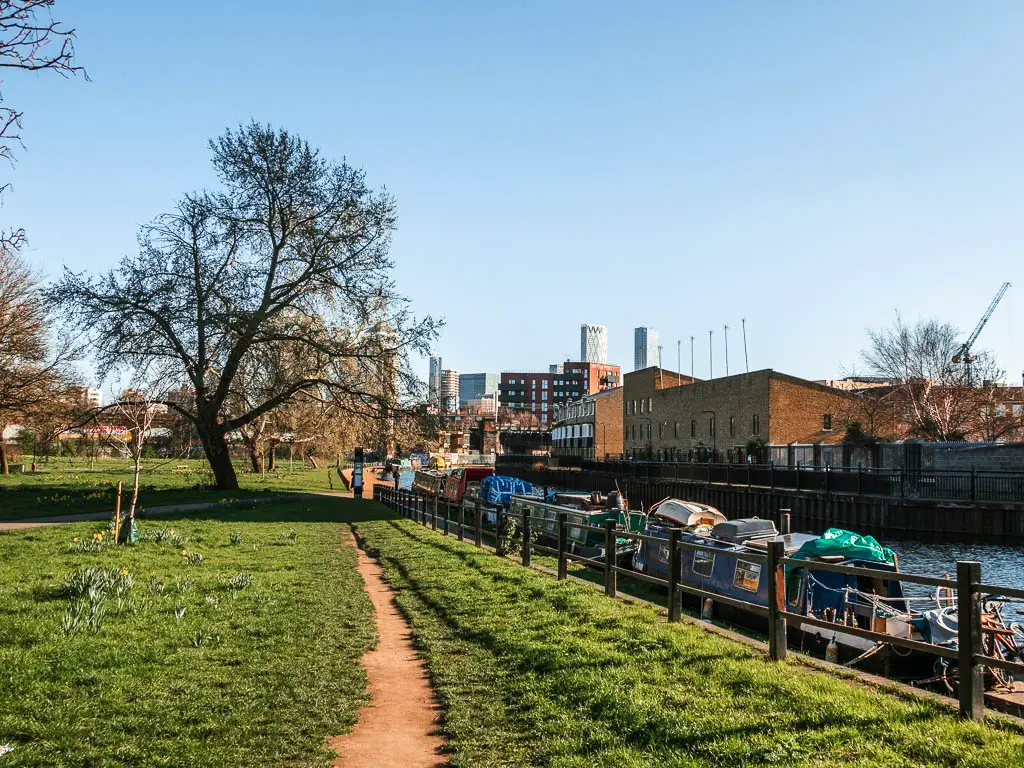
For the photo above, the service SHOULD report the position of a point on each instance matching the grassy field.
(247, 658)
(64, 486)
(534, 672)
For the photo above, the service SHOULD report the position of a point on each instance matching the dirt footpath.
(397, 729)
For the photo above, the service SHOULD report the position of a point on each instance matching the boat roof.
(686, 512)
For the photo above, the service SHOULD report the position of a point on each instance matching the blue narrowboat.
(845, 599)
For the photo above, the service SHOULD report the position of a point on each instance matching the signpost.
(357, 474)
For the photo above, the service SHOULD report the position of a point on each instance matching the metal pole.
(691, 358)
(972, 676)
(674, 574)
(726, 334)
(711, 355)
(776, 601)
(746, 361)
(609, 558)
(679, 362)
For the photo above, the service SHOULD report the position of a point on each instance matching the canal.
(1000, 563)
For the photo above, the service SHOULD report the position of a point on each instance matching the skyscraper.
(473, 386)
(645, 348)
(434, 380)
(449, 390)
(593, 344)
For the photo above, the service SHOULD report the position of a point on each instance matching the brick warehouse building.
(589, 428)
(669, 416)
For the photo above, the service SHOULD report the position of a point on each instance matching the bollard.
(526, 536)
(776, 600)
(972, 688)
(478, 534)
(785, 524)
(675, 572)
(610, 580)
(562, 531)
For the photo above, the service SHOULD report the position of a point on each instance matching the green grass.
(72, 486)
(257, 676)
(534, 672)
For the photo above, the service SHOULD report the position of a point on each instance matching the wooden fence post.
(499, 532)
(433, 517)
(610, 580)
(526, 535)
(776, 601)
(461, 530)
(675, 572)
(478, 531)
(968, 609)
(562, 531)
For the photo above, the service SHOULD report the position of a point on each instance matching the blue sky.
(810, 166)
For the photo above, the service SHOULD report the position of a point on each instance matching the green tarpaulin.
(849, 545)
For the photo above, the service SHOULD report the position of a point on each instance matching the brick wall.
(608, 424)
(798, 410)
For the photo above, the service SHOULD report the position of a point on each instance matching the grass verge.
(534, 672)
(189, 666)
(67, 487)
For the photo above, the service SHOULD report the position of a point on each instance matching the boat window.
(795, 586)
(663, 553)
(703, 563)
(747, 575)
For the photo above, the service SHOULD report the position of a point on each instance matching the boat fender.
(832, 651)
(707, 609)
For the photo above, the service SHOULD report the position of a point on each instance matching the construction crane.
(963, 355)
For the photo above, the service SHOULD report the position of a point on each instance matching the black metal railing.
(968, 591)
(976, 485)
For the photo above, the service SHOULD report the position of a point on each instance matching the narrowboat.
(876, 604)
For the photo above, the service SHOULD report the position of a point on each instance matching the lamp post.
(714, 431)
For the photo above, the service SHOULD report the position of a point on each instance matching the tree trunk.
(217, 454)
(272, 458)
(254, 458)
(3, 454)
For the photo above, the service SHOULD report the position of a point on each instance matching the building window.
(634, 433)
(675, 429)
(533, 383)
(544, 396)
(755, 426)
(693, 428)
(711, 426)
(661, 431)
(732, 426)
(627, 408)
(650, 405)
(625, 433)
(826, 422)
(642, 405)
(648, 430)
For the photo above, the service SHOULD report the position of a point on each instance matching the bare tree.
(275, 285)
(30, 39)
(34, 373)
(937, 396)
(137, 413)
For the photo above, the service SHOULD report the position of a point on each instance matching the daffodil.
(75, 540)
(183, 553)
(124, 572)
(172, 531)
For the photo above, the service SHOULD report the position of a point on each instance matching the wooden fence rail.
(970, 589)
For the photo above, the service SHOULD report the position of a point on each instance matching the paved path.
(398, 728)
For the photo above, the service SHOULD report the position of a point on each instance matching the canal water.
(1001, 564)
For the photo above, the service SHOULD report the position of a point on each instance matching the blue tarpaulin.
(497, 490)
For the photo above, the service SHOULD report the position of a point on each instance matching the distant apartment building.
(672, 417)
(593, 343)
(473, 386)
(589, 428)
(449, 390)
(434, 380)
(595, 376)
(645, 348)
(538, 393)
(91, 397)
